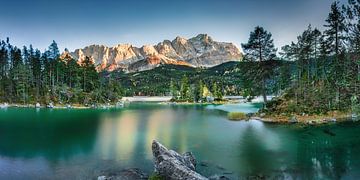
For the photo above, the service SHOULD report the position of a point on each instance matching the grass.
(237, 116)
(155, 176)
(318, 119)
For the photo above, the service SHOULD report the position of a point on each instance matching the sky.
(77, 23)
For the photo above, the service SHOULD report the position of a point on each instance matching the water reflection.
(159, 127)
(332, 157)
(61, 143)
(53, 135)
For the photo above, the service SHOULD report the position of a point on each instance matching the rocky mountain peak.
(199, 51)
(149, 50)
(203, 38)
(180, 40)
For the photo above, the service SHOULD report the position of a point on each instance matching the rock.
(172, 165)
(327, 131)
(219, 177)
(210, 99)
(133, 173)
(102, 178)
(37, 105)
(354, 117)
(220, 167)
(204, 164)
(119, 104)
(293, 119)
(249, 115)
(311, 122)
(50, 105)
(190, 160)
(332, 120)
(126, 174)
(4, 106)
(262, 115)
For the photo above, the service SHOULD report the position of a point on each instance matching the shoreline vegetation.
(330, 117)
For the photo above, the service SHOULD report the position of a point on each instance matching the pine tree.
(353, 60)
(36, 72)
(90, 76)
(185, 88)
(173, 90)
(260, 47)
(334, 34)
(217, 93)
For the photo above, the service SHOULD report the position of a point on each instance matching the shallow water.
(82, 144)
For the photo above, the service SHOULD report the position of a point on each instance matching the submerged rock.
(327, 131)
(172, 165)
(204, 164)
(126, 174)
(219, 177)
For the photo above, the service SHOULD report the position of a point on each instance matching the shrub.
(155, 176)
(237, 116)
(355, 105)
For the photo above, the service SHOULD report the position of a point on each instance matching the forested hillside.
(327, 64)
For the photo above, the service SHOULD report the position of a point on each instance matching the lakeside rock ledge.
(172, 165)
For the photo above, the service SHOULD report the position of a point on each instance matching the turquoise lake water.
(83, 144)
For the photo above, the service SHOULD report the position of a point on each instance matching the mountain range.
(199, 51)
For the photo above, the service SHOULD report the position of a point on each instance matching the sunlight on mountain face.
(199, 51)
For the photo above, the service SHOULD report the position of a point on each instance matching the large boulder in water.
(172, 165)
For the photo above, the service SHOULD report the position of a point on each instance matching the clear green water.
(82, 144)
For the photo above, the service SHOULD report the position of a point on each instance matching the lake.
(83, 144)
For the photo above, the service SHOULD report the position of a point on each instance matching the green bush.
(155, 176)
(237, 116)
(355, 105)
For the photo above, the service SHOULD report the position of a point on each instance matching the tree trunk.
(264, 91)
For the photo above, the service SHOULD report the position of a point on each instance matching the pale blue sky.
(77, 23)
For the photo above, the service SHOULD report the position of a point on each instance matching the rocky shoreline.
(62, 106)
(305, 119)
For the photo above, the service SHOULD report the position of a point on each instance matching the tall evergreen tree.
(335, 35)
(260, 47)
(335, 28)
(185, 88)
(90, 76)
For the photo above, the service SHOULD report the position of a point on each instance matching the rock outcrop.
(199, 51)
(172, 165)
(168, 165)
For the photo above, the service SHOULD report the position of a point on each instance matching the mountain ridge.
(198, 51)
